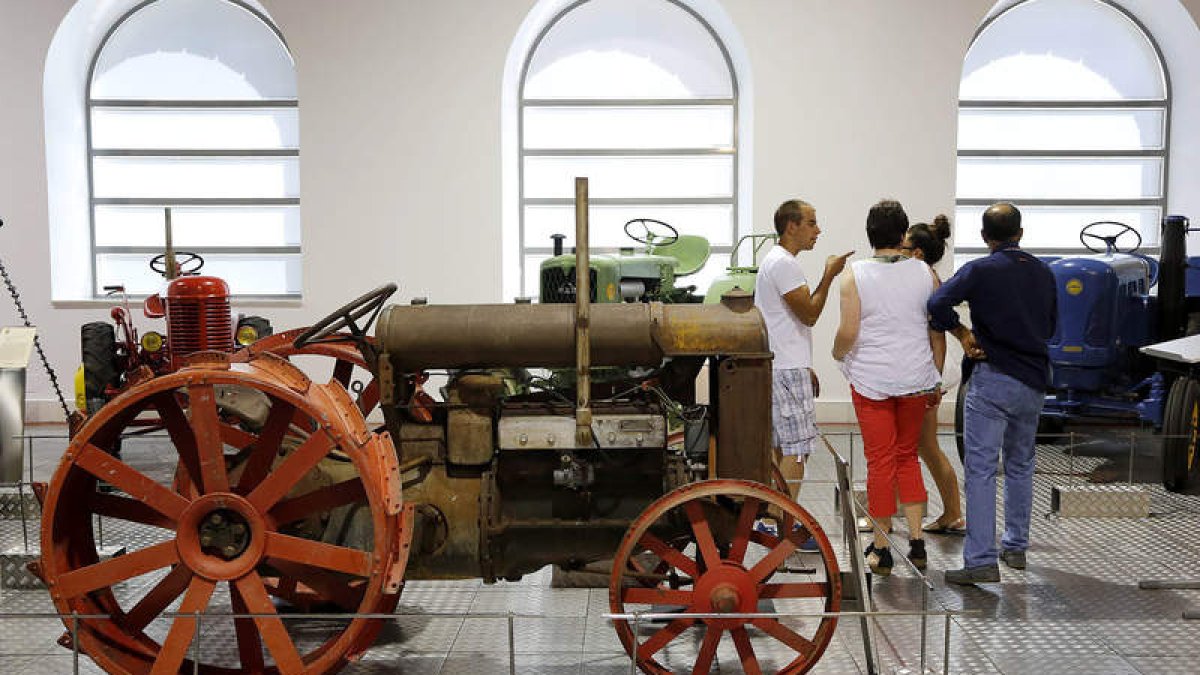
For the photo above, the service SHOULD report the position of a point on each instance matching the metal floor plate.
(1076, 609)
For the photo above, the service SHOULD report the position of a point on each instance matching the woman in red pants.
(886, 350)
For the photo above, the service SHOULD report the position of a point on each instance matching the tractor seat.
(690, 250)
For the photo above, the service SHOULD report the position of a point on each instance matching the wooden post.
(583, 293)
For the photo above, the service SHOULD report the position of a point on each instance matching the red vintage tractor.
(198, 316)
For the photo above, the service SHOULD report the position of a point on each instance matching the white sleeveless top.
(892, 356)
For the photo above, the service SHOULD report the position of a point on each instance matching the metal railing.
(851, 510)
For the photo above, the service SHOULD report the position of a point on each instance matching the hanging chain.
(36, 342)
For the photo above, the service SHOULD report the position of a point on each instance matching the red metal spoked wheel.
(222, 540)
(721, 564)
(345, 355)
(779, 482)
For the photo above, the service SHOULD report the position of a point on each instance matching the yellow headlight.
(151, 341)
(246, 335)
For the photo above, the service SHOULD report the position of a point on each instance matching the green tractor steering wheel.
(648, 235)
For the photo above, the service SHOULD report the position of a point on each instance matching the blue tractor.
(1106, 314)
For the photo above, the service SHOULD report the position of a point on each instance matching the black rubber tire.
(1181, 436)
(960, 402)
(261, 325)
(1193, 324)
(1050, 430)
(98, 342)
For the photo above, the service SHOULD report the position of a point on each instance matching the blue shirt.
(1013, 311)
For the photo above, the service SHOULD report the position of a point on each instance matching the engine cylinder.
(198, 317)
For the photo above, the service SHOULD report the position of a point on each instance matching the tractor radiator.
(558, 285)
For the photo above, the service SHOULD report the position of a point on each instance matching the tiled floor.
(1076, 609)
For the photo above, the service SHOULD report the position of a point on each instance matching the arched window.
(640, 97)
(1063, 110)
(191, 106)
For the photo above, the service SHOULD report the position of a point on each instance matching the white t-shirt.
(790, 340)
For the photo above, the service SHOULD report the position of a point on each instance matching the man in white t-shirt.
(790, 309)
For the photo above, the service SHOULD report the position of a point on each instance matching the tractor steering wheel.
(649, 236)
(191, 263)
(1110, 240)
(347, 317)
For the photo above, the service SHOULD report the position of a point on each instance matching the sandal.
(957, 527)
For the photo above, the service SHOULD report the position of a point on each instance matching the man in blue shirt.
(1013, 306)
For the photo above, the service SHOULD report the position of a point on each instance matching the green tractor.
(649, 276)
(629, 276)
(739, 276)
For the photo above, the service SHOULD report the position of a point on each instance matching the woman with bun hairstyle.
(927, 242)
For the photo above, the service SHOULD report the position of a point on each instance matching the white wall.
(400, 141)
(26, 28)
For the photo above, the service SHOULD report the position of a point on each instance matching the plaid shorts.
(793, 419)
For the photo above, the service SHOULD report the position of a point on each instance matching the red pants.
(891, 429)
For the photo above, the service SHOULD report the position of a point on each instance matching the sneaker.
(809, 545)
(916, 553)
(968, 576)
(879, 560)
(1014, 559)
(766, 528)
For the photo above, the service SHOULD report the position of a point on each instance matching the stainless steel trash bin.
(16, 346)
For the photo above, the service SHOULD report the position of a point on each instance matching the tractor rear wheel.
(960, 405)
(1181, 436)
(1051, 430)
(100, 367)
(228, 543)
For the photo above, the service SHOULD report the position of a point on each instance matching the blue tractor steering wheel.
(1110, 244)
(1110, 240)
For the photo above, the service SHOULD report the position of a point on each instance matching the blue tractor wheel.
(1051, 430)
(1181, 436)
(960, 402)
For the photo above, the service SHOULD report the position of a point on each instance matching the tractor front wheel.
(715, 561)
(1181, 436)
